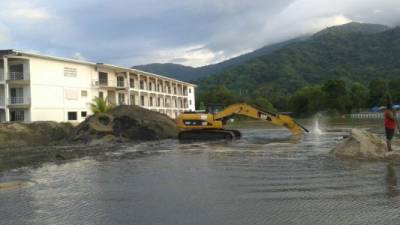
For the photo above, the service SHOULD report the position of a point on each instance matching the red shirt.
(389, 122)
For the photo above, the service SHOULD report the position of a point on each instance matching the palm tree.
(100, 105)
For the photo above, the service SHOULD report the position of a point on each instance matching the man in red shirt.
(390, 125)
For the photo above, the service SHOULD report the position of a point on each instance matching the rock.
(130, 123)
(361, 144)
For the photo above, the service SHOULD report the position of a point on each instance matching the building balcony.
(19, 102)
(109, 83)
(18, 78)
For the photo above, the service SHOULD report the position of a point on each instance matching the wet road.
(268, 177)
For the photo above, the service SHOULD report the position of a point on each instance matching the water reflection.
(391, 181)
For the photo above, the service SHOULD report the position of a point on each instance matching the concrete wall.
(53, 94)
(191, 99)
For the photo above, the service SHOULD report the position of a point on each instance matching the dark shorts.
(389, 133)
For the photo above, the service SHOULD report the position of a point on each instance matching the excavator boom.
(250, 111)
(211, 126)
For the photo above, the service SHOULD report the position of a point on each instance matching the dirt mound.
(362, 144)
(37, 133)
(131, 123)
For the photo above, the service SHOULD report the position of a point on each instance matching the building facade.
(36, 87)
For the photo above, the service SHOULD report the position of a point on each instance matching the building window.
(84, 114)
(120, 82)
(190, 90)
(72, 116)
(16, 95)
(17, 115)
(142, 100)
(132, 83)
(84, 93)
(101, 94)
(70, 72)
(16, 72)
(121, 98)
(142, 84)
(159, 102)
(190, 102)
(151, 101)
(103, 79)
(132, 100)
(174, 90)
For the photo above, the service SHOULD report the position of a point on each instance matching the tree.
(377, 90)
(336, 96)
(218, 95)
(100, 105)
(307, 101)
(359, 96)
(262, 104)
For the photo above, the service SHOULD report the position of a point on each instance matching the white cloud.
(191, 32)
(4, 35)
(196, 55)
(377, 11)
(23, 11)
(78, 56)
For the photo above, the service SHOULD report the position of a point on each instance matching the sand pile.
(362, 144)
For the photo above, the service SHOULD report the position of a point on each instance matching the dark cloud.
(192, 32)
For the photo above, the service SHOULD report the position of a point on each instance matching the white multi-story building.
(36, 87)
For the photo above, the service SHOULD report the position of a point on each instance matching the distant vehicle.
(210, 125)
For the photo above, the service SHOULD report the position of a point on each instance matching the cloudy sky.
(189, 32)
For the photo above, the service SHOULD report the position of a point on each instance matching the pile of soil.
(15, 135)
(362, 144)
(125, 123)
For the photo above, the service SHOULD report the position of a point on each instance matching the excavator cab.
(215, 108)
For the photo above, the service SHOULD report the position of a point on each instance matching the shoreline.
(14, 158)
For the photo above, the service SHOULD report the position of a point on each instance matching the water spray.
(317, 130)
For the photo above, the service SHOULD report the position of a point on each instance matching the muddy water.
(268, 177)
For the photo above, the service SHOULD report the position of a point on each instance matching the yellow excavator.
(209, 125)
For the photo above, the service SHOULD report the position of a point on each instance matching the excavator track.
(209, 134)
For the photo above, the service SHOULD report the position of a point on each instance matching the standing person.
(390, 125)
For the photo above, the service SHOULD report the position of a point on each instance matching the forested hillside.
(187, 73)
(338, 69)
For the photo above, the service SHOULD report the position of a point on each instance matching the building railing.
(107, 83)
(19, 101)
(18, 76)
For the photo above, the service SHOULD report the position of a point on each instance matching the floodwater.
(268, 177)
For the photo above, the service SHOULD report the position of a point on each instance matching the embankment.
(34, 143)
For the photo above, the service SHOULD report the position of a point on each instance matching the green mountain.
(187, 73)
(353, 52)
